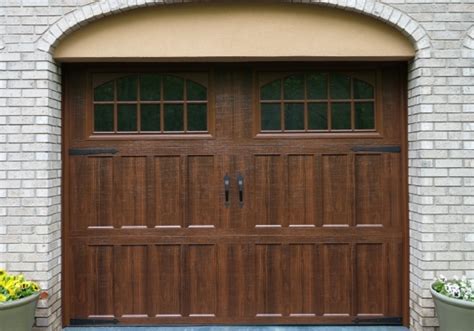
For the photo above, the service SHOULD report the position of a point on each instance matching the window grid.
(161, 103)
(329, 101)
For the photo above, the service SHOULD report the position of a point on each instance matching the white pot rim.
(19, 302)
(451, 301)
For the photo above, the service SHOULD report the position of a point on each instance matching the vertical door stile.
(353, 273)
(184, 279)
(318, 197)
(184, 190)
(352, 187)
(151, 183)
(286, 201)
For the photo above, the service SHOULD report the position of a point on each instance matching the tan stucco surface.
(234, 31)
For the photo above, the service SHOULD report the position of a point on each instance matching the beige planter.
(18, 315)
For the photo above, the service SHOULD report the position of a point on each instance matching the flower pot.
(18, 315)
(453, 314)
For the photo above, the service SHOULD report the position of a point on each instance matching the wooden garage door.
(234, 194)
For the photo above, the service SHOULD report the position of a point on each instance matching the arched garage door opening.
(240, 190)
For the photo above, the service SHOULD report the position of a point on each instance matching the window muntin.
(150, 104)
(317, 102)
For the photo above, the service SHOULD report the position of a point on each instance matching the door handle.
(240, 183)
(226, 191)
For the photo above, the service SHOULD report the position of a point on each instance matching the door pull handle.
(227, 191)
(240, 183)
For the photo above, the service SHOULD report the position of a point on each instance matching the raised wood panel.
(79, 285)
(130, 182)
(301, 190)
(337, 283)
(201, 281)
(393, 299)
(166, 280)
(168, 200)
(338, 194)
(131, 286)
(269, 281)
(303, 269)
(101, 280)
(371, 282)
(269, 190)
(202, 198)
(235, 281)
(393, 195)
(370, 189)
(91, 196)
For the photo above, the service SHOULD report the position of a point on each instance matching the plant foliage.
(15, 287)
(462, 289)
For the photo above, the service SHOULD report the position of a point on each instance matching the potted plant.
(454, 302)
(18, 299)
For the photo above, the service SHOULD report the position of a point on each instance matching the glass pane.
(294, 116)
(364, 115)
(104, 118)
(341, 116)
(127, 118)
(271, 91)
(271, 116)
(317, 85)
(362, 90)
(317, 116)
(196, 91)
(150, 86)
(294, 87)
(150, 117)
(173, 88)
(104, 92)
(174, 118)
(197, 117)
(340, 86)
(127, 88)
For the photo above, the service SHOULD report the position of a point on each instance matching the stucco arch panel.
(233, 31)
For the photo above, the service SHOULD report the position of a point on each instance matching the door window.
(317, 102)
(150, 104)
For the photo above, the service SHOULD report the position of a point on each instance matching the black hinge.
(91, 321)
(92, 151)
(379, 320)
(379, 149)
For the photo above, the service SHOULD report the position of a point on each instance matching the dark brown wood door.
(235, 194)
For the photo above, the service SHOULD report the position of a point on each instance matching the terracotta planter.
(453, 314)
(18, 315)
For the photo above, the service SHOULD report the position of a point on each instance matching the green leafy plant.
(456, 288)
(14, 287)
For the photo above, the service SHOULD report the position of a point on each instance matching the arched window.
(317, 102)
(150, 104)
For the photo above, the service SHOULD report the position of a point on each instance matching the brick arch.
(374, 8)
(468, 44)
(88, 13)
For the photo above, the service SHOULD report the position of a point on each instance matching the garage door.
(234, 194)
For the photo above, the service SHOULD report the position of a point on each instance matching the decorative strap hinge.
(377, 149)
(378, 320)
(92, 151)
(91, 321)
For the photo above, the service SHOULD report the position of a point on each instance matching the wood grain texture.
(319, 236)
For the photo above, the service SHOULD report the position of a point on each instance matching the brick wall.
(441, 137)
